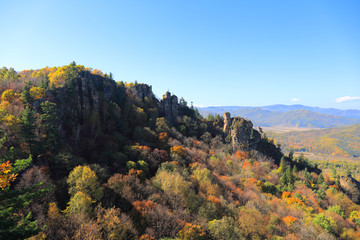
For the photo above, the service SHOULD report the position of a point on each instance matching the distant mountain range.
(344, 141)
(290, 115)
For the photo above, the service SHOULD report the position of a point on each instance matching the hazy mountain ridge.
(350, 113)
(290, 116)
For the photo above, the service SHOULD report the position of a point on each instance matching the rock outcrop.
(351, 187)
(240, 132)
(227, 123)
(83, 105)
(142, 92)
(169, 107)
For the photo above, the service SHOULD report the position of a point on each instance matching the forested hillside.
(344, 141)
(85, 157)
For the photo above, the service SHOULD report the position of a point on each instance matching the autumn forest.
(83, 156)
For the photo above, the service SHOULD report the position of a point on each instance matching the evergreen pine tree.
(291, 154)
(282, 167)
(25, 95)
(295, 170)
(289, 176)
(320, 179)
(45, 83)
(48, 120)
(28, 127)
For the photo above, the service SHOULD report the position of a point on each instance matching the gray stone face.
(79, 102)
(169, 106)
(351, 187)
(227, 122)
(241, 132)
(144, 91)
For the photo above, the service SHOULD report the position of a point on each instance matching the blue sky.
(247, 53)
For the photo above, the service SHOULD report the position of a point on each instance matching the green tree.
(48, 121)
(15, 221)
(320, 179)
(25, 95)
(282, 166)
(45, 83)
(291, 153)
(290, 176)
(27, 127)
(295, 170)
(327, 223)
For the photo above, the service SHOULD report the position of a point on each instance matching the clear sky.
(246, 53)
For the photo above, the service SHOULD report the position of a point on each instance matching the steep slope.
(344, 141)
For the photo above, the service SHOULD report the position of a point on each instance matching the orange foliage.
(146, 237)
(289, 220)
(291, 199)
(241, 154)
(252, 180)
(144, 206)
(97, 72)
(214, 200)
(53, 211)
(196, 142)
(286, 194)
(139, 148)
(5, 176)
(191, 232)
(163, 137)
(211, 152)
(179, 150)
(246, 164)
(136, 173)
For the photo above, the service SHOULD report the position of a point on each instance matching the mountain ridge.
(285, 116)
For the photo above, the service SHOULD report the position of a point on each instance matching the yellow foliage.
(173, 184)
(9, 96)
(10, 120)
(80, 203)
(37, 92)
(59, 77)
(83, 179)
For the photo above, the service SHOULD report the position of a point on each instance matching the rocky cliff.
(169, 107)
(240, 132)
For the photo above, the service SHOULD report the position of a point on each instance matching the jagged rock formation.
(227, 122)
(240, 132)
(169, 106)
(351, 187)
(142, 92)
